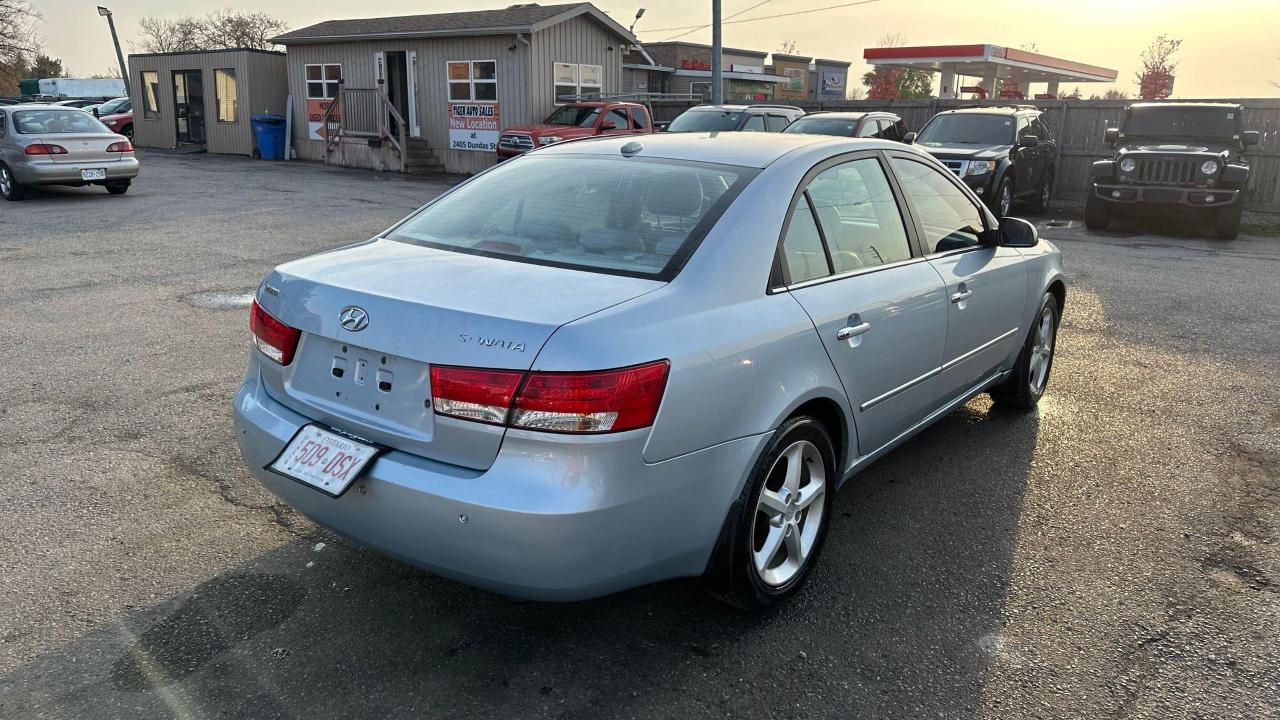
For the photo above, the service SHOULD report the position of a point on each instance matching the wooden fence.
(1078, 127)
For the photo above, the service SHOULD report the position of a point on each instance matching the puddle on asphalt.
(219, 299)
(1060, 223)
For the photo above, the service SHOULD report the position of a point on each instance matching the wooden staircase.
(419, 159)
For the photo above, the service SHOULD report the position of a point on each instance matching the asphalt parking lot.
(1116, 554)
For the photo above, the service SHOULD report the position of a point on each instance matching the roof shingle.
(510, 19)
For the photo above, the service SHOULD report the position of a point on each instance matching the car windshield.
(1173, 121)
(705, 121)
(56, 122)
(823, 126)
(575, 115)
(629, 216)
(968, 129)
(112, 107)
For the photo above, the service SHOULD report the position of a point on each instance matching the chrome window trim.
(846, 274)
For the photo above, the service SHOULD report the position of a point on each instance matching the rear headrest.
(677, 193)
(611, 240)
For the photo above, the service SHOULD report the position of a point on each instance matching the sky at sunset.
(1231, 48)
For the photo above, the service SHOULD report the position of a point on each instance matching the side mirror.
(1251, 137)
(909, 138)
(1111, 135)
(608, 125)
(1028, 141)
(1016, 232)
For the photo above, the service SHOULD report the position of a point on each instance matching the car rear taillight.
(474, 394)
(45, 149)
(563, 402)
(273, 338)
(120, 147)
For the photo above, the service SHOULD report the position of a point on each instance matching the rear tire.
(1030, 378)
(1040, 202)
(1097, 215)
(1226, 221)
(118, 187)
(9, 187)
(769, 546)
(128, 132)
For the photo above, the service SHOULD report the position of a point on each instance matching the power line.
(695, 28)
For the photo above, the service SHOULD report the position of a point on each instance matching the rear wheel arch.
(831, 415)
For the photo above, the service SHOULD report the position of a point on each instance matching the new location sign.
(474, 126)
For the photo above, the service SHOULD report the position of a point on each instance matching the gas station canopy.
(992, 63)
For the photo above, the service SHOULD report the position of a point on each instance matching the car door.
(986, 284)
(1047, 150)
(1025, 159)
(879, 309)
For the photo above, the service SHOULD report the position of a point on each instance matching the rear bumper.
(1125, 194)
(43, 172)
(553, 518)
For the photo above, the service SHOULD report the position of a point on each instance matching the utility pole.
(717, 74)
(115, 40)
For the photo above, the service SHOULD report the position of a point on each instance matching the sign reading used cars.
(474, 126)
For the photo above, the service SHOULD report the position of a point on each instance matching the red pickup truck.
(576, 120)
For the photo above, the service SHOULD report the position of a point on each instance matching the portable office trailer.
(205, 99)
(456, 80)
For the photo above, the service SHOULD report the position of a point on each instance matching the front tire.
(1226, 221)
(1040, 202)
(776, 529)
(1097, 215)
(1030, 378)
(9, 187)
(1004, 198)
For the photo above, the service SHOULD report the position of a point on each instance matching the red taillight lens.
(45, 149)
(591, 402)
(474, 394)
(273, 338)
(121, 147)
(587, 402)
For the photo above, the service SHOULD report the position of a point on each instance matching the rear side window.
(4, 125)
(776, 123)
(639, 118)
(626, 216)
(859, 216)
(802, 249)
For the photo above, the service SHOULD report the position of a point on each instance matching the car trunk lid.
(82, 149)
(420, 306)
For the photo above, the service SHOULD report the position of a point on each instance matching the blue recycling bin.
(269, 131)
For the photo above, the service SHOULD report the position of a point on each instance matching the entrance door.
(188, 104)
(392, 69)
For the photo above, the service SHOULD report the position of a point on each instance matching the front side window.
(967, 129)
(574, 115)
(323, 81)
(606, 214)
(4, 125)
(1041, 129)
(56, 122)
(869, 129)
(775, 123)
(755, 123)
(859, 216)
(820, 125)
(705, 121)
(802, 249)
(949, 220)
(150, 90)
(473, 80)
(226, 94)
(618, 117)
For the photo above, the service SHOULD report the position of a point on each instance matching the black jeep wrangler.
(1186, 156)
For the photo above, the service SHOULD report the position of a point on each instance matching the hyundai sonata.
(622, 360)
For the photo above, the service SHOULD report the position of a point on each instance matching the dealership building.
(449, 82)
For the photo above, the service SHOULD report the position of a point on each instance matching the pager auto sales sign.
(474, 126)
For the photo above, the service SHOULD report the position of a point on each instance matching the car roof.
(1222, 105)
(743, 107)
(991, 110)
(746, 149)
(43, 106)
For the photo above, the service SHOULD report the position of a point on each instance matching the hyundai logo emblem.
(353, 318)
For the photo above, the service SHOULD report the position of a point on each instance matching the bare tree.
(167, 36)
(219, 30)
(788, 47)
(17, 41)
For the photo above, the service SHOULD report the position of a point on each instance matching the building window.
(226, 94)
(473, 80)
(570, 79)
(150, 89)
(323, 81)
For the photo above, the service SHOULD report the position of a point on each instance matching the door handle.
(852, 331)
(961, 296)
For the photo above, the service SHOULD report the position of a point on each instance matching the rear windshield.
(705, 121)
(56, 122)
(1202, 122)
(823, 126)
(577, 116)
(974, 129)
(628, 216)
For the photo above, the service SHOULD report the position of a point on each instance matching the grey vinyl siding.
(578, 40)
(260, 86)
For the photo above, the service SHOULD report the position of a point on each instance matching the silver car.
(619, 360)
(56, 145)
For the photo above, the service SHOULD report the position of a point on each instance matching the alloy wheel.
(1046, 189)
(789, 513)
(1006, 199)
(1042, 351)
(6, 183)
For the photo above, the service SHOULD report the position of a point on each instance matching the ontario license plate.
(325, 460)
(93, 174)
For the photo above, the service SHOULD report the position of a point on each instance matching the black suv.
(1002, 153)
(1188, 156)
(731, 118)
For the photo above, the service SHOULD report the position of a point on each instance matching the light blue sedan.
(621, 360)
